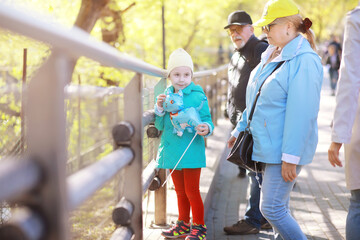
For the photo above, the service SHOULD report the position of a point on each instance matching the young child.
(186, 177)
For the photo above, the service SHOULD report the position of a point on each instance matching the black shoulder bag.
(241, 152)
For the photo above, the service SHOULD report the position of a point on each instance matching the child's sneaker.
(198, 232)
(180, 229)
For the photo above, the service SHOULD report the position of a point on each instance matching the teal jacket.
(284, 124)
(172, 146)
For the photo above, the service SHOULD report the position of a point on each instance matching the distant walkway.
(319, 201)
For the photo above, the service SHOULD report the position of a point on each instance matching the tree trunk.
(90, 12)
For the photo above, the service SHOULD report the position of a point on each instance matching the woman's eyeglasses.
(267, 27)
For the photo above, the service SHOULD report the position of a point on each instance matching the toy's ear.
(180, 93)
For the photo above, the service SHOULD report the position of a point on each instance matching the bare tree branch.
(192, 35)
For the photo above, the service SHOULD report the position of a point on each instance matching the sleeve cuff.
(290, 158)
(210, 130)
(235, 133)
(159, 111)
(337, 139)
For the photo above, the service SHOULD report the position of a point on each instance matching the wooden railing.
(37, 181)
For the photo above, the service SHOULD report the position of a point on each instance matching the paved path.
(319, 201)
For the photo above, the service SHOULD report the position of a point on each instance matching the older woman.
(284, 122)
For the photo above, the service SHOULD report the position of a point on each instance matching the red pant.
(186, 183)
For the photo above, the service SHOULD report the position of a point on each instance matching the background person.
(333, 61)
(334, 40)
(347, 112)
(248, 50)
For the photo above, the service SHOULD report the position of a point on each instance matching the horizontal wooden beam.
(122, 212)
(148, 175)
(148, 117)
(18, 176)
(210, 72)
(75, 42)
(24, 225)
(122, 133)
(122, 233)
(84, 183)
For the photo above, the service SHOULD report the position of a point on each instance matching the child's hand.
(203, 129)
(160, 100)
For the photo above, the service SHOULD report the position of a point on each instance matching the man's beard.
(241, 45)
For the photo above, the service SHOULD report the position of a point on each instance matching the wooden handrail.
(17, 177)
(82, 184)
(75, 42)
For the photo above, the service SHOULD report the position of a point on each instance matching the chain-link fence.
(91, 113)
(11, 141)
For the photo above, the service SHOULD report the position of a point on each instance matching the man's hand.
(333, 154)
(288, 171)
(231, 141)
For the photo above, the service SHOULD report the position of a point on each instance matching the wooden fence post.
(160, 194)
(46, 135)
(22, 111)
(133, 111)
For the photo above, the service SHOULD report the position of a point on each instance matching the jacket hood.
(295, 47)
(191, 87)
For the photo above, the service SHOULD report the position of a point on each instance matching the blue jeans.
(353, 217)
(275, 203)
(253, 215)
(334, 75)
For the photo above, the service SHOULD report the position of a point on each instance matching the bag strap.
(258, 94)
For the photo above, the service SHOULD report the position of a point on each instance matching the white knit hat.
(179, 58)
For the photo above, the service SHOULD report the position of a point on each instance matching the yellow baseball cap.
(276, 9)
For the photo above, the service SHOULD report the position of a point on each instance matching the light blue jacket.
(171, 145)
(284, 124)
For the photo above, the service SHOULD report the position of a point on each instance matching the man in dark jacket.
(247, 55)
(248, 50)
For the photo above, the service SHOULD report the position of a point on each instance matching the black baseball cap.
(238, 18)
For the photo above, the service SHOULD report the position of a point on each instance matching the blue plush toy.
(182, 118)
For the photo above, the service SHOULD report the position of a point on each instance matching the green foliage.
(327, 15)
(194, 25)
